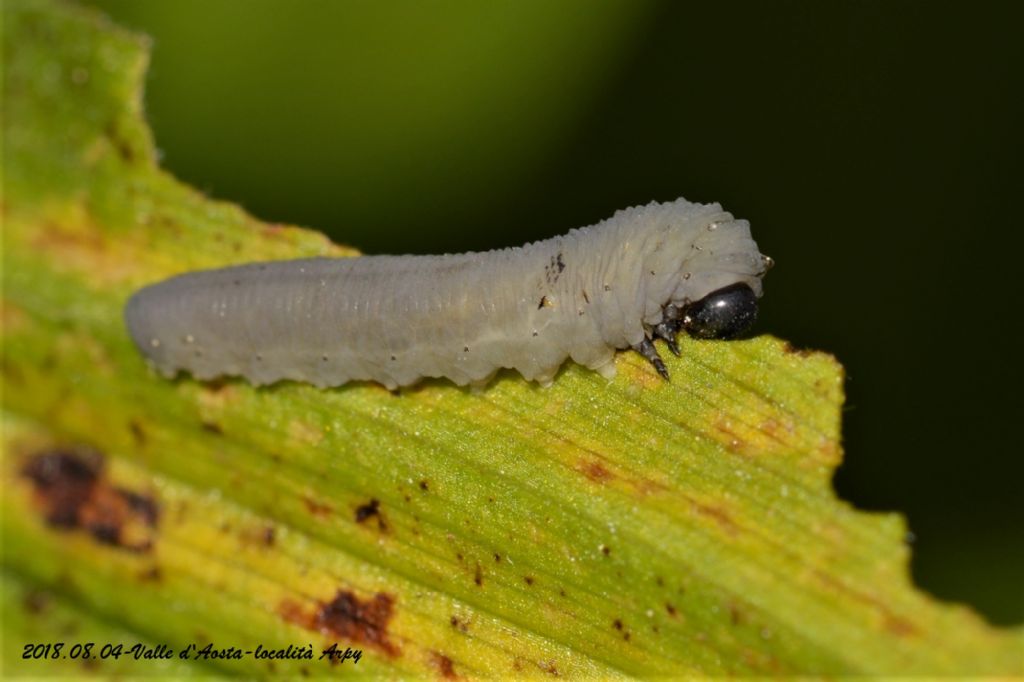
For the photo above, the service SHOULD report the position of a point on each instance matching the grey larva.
(647, 272)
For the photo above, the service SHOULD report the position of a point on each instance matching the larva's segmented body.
(646, 271)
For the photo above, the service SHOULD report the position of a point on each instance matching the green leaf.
(594, 528)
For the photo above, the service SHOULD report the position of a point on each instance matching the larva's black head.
(722, 314)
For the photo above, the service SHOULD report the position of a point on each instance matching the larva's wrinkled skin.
(646, 272)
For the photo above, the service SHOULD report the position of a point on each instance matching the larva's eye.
(722, 314)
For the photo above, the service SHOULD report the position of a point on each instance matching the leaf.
(594, 528)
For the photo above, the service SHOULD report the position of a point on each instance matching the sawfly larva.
(645, 273)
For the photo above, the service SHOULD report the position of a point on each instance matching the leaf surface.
(631, 527)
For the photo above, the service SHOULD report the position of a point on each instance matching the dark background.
(875, 146)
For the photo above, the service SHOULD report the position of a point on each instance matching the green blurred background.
(875, 145)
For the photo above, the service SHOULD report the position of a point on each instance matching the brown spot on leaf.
(424, 486)
(595, 471)
(261, 536)
(292, 612)
(770, 427)
(72, 489)
(528, 579)
(346, 616)
(900, 627)
(363, 621)
(549, 667)
(371, 510)
(478, 576)
(153, 574)
(670, 609)
(212, 427)
(143, 506)
(35, 601)
(460, 625)
(829, 452)
(732, 440)
(443, 664)
(617, 625)
(64, 481)
(893, 623)
(317, 508)
(717, 514)
(75, 238)
(138, 433)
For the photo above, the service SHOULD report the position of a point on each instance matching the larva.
(647, 272)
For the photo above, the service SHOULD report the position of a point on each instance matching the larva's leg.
(607, 370)
(647, 349)
(669, 327)
(545, 381)
(667, 331)
(480, 385)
